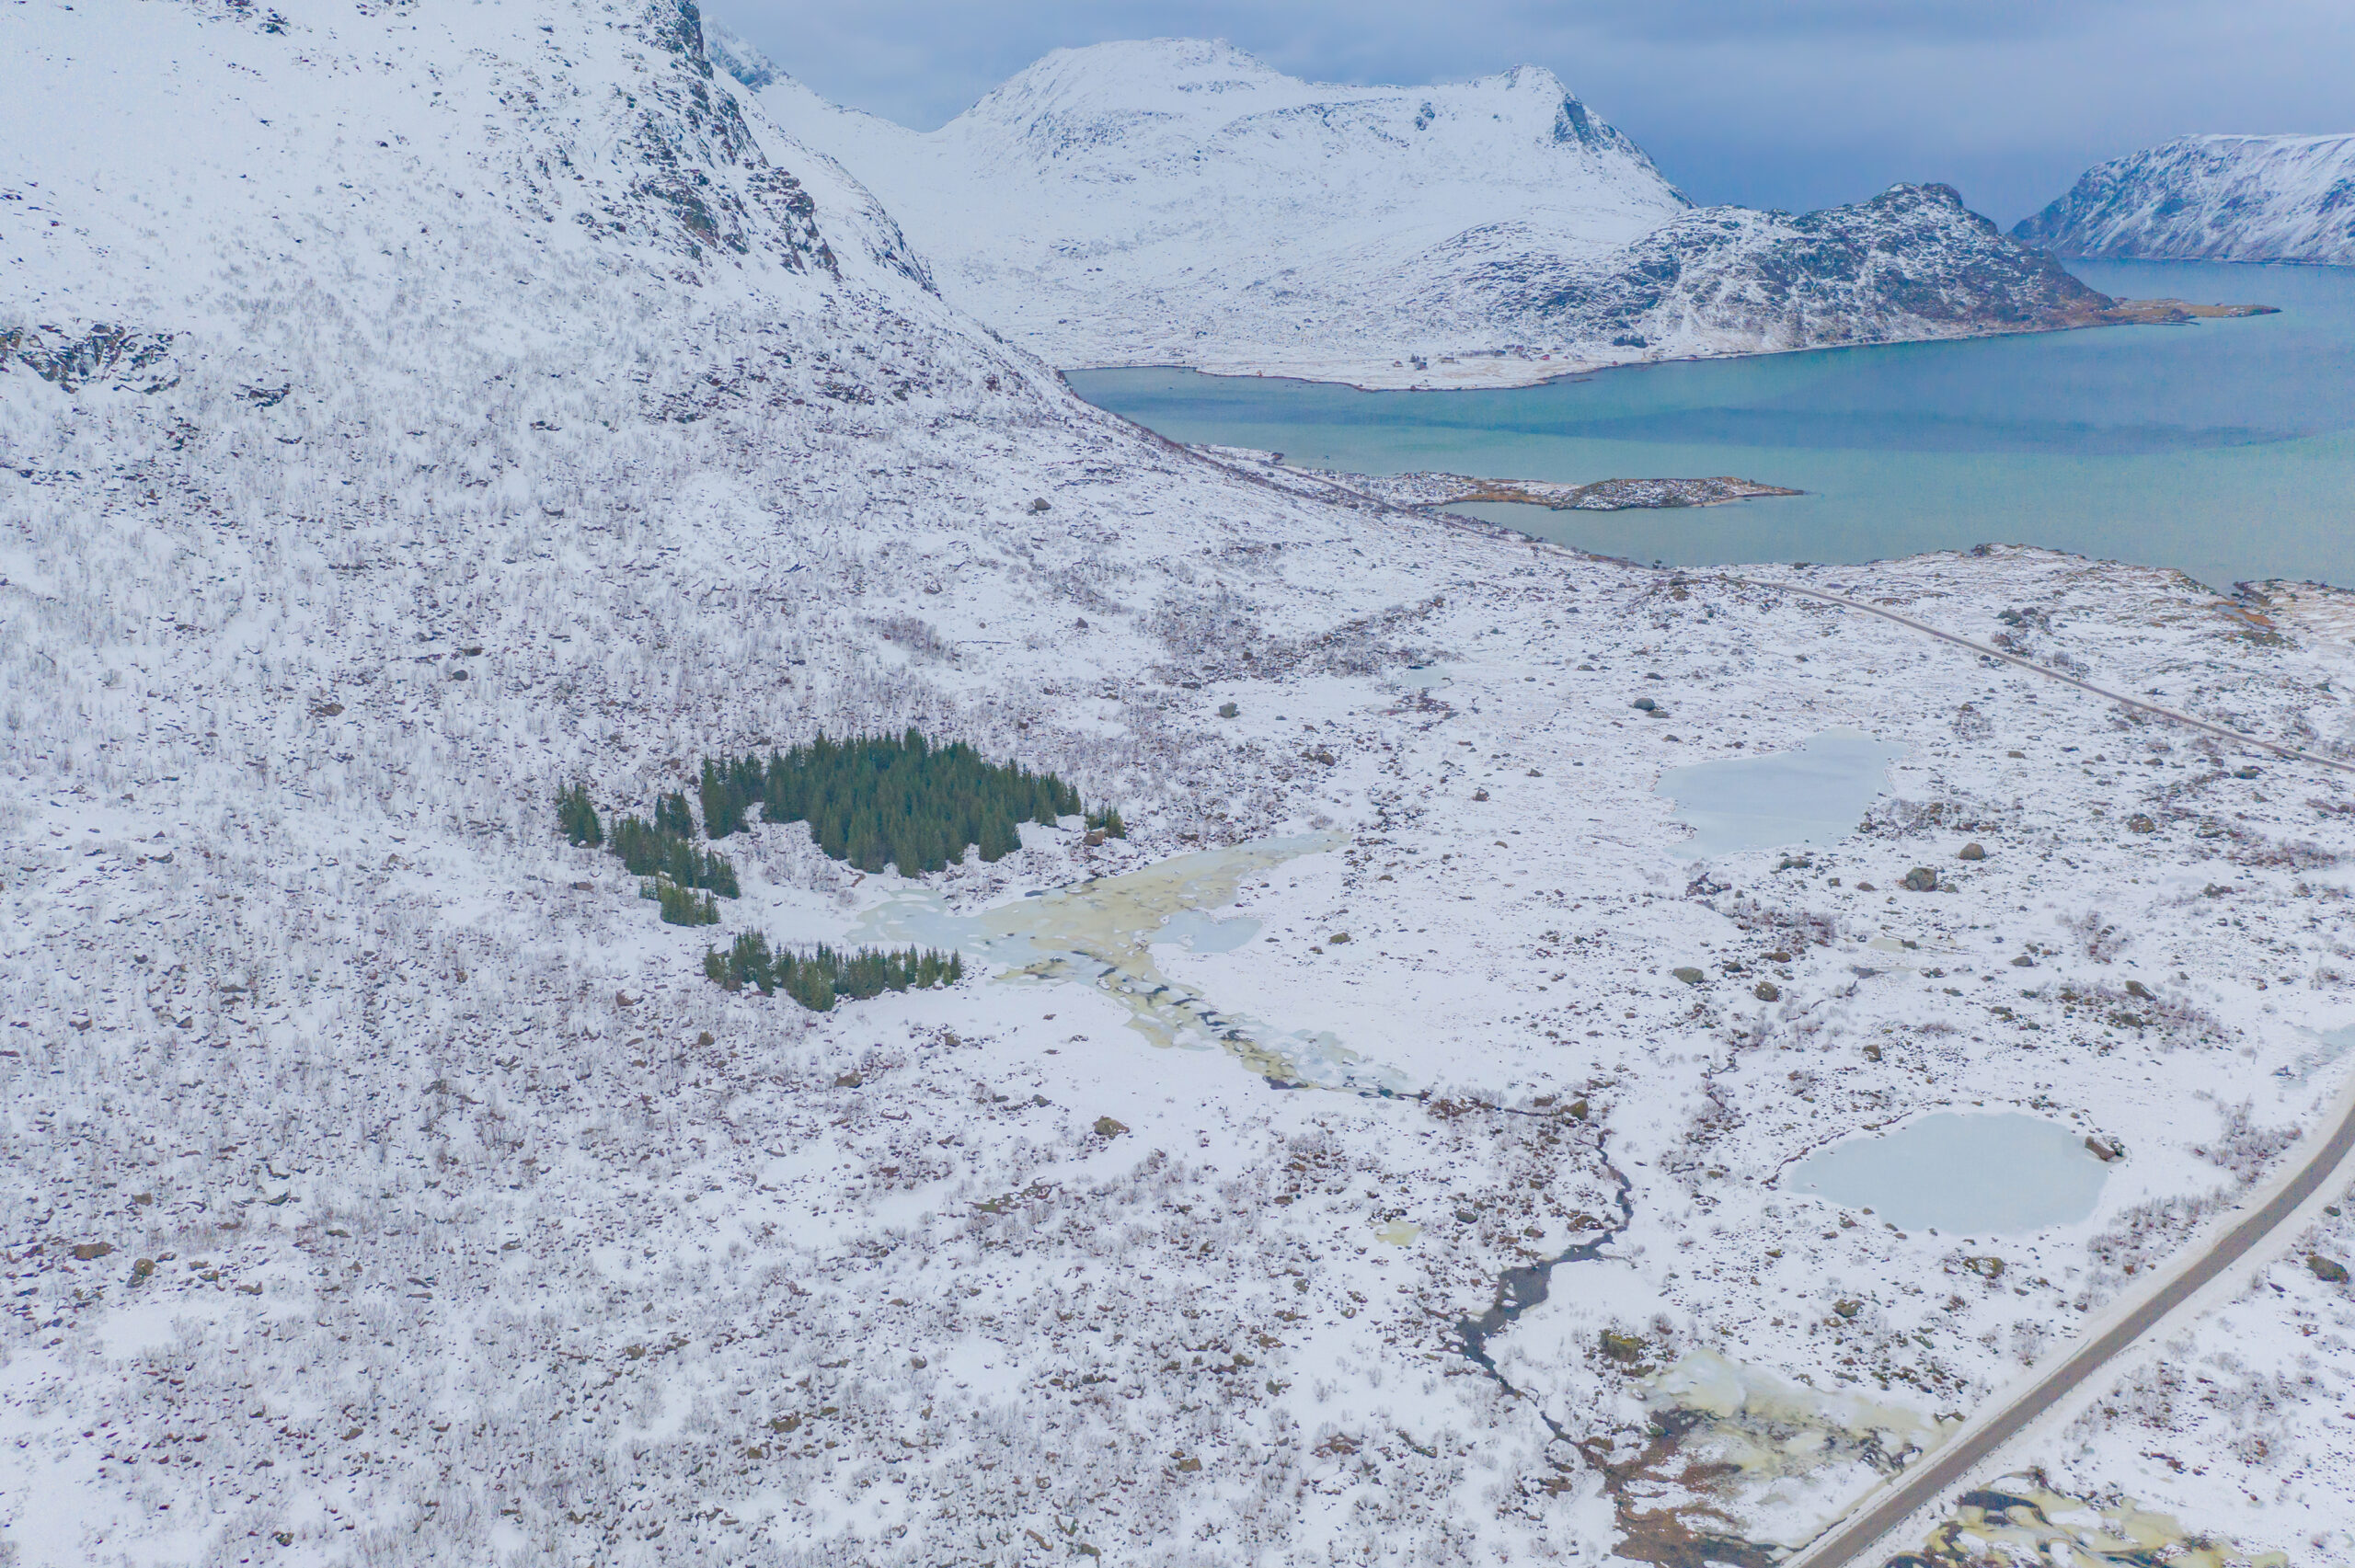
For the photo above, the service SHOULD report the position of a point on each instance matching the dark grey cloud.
(1798, 104)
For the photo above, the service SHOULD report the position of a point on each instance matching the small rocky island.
(1424, 490)
(2174, 313)
(1602, 494)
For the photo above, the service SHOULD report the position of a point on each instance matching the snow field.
(482, 1227)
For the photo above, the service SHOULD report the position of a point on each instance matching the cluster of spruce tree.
(681, 906)
(662, 850)
(884, 800)
(665, 847)
(818, 978)
(872, 801)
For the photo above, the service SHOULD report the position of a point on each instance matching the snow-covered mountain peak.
(738, 57)
(1203, 108)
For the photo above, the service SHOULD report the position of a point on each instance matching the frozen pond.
(1972, 1173)
(1102, 933)
(1814, 793)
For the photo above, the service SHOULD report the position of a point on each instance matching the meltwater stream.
(1102, 933)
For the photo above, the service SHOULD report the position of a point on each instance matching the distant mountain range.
(1177, 201)
(2210, 198)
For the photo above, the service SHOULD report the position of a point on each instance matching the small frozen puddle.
(1814, 793)
(1102, 933)
(1996, 1172)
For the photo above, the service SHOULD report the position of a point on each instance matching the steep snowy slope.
(1177, 202)
(2210, 198)
(408, 410)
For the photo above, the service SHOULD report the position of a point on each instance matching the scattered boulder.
(1337, 939)
(2141, 823)
(2328, 1272)
(2136, 988)
(847, 1081)
(1688, 974)
(2023, 962)
(1647, 704)
(1626, 1349)
(1847, 1308)
(1921, 880)
(1479, 795)
(1228, 710)
(1040, 503)
(1768, 991)
(90, 1251)
(1971, 852)
(1106, 1128)
(1578, 1110)
(2103, 1150)
(1778, 957)
(1986, 1268)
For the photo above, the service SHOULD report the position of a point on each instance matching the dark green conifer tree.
(577, 818)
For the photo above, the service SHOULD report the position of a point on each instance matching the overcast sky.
(1778, 103)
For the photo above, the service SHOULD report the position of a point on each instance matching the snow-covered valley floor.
(698, 1263)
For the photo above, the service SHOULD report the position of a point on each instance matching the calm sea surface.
(2225, 448)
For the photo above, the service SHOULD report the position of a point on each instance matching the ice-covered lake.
(1972, 1173)
(1814, 793)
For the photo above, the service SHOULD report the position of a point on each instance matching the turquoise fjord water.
(2223, 448)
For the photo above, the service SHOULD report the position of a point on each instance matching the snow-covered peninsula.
(1385, 1153)
(2209, 198)
(1177, 202)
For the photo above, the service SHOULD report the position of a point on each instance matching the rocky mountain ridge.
(2209, 198)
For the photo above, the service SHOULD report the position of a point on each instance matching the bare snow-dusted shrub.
(2096, 938)
(911, 632)
(2244, 1148)
(2143, 1236)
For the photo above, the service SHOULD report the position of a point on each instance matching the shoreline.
(1506, 372)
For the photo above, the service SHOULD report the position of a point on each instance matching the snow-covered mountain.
(2210, 198)
(1178, 202)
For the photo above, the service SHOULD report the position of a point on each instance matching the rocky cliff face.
(1177, 202)
(1912, 263)
(2210, 198)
